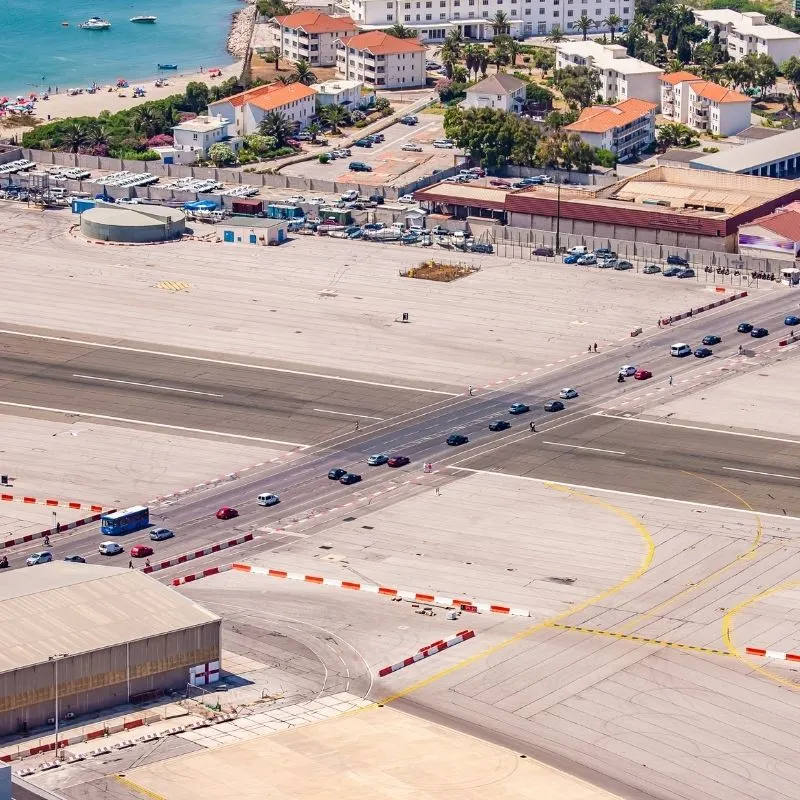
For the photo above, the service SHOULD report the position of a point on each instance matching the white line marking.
(625, 494)
(345, 414)
(146, 385)
(580, 447)
(152, 424)
(768, 474)
(203, 359)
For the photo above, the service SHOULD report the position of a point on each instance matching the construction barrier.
(75, 506)
(198, 575)
(692, 312)
(51, 531)
(763, 653)
(212, 548)
(427, 652)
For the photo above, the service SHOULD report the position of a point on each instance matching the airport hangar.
(94, 637)
(663, 205)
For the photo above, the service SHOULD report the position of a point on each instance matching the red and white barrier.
(198, 575)
(776, 654)
(212, 548)
(695, 311)
(419, 597)
(52, 503)
(52, 531)
(427, 652)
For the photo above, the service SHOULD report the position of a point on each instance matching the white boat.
(144, 18)
(95, 24)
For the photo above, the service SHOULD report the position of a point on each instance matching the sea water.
(37, 51)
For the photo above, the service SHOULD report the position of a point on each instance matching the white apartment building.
(310, 35)
(626, 128)
(621, 77)
(749, 33)
(703, 105)
(501, 91)
(434, 19)
(351, 94)
(192, 138)
(381, 61)
(296, 102)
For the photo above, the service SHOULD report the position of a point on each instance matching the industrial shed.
(103, 635)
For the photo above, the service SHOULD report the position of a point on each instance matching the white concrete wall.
(642, 87)
(730, 118)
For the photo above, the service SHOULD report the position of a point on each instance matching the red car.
(398, 461)
(499, 182)
(141, 551)
(226, 512)
(642, 374)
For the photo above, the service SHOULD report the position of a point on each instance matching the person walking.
(130, 565)
(595, 347)
(469, 389)
(670, 380)
(438, 493)
(357, 424)
(533, 427)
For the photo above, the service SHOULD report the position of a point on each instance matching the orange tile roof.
(785, 222)
(264, 94)
(679, 77)
(599, 119)
(717, 93)
(382, 44)
(317, 22)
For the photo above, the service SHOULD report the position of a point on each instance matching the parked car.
(159, 534)
(456, 439)
(481, 247)
(588, 260)
(686, 273)
(411, 147)
(744, 327)
(567, 394)
(571, 258)
(759, 333)
(409, 119)
(349, 478)
(651, 269)
(671, 272)
(359, 166)
(110, 548)
(407, 198)
(518, 408)
(553, 405)
(677, 261)
(42, 557)
(627, 370)
(642, 374)
(712, 339)
(605, 252)
(141, 551)
(336, 473)
(363, 142)
(578, 250)
(226, 512)
(295, 199)
(623, 265)
(398, 461)
(544, 251)
(75, 559)
(378, 199)
(500, 183)
(703, 352)
(349, 195)
(443, 143)
(499, 425)
(603, 262)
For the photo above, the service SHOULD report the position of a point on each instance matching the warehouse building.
(85, 637)
(776, 157)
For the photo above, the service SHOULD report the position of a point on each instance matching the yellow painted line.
(650, 549)
(727, 633)
(172, 286)
(630, 637)
(129, 784)
(748, 555)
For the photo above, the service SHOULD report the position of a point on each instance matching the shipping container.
(338, 216)
(284, 211)
(79, 206)
(248, 206)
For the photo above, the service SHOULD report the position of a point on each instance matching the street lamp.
(55, 659)
(558, 216)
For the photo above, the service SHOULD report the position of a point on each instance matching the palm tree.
(336, 115)
(456, 37)
(285, 79)
(303, 73)
(556, 35)
(399, 31)
(499, 23)
(450, 52)
(276, 125)
(314, 129)
(513, 50)
(96, 134)
(612, 22)
(674, 65)
(73, 137)
(499, 57)
(484, 61)
(145, 121)
(673, 134)
(585, 24)
(272, 56)
(472, 58)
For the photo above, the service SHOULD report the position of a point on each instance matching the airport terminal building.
(95, 637)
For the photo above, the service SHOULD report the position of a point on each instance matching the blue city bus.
(126, 521)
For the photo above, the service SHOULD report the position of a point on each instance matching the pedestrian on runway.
(357, 423)
(47, 541)
(659, 322)
(595, 347)
(670, 380)
(589, 349)
(469, 389)
(147, 562)
(533, 427)
(438, 493)
(130, 565)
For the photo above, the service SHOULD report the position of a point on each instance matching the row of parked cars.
(605, 258)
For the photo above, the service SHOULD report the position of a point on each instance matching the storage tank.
(129, 224)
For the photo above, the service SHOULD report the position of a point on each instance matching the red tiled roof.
(382, 44)
(270, 96)
(599, 119)
(679, 77)
(785, 222)
(717, 93)
(317, 22)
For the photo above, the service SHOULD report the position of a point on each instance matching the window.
(569, 14)
(542, 10)
(442, 16)
(542, 27)
(389, 17)
(429, 4)
(457, 15)
(625, 10)
(407, 18)
(513, 12)
(390, 5)
(194, 136)
(428, 17)
(406, 5)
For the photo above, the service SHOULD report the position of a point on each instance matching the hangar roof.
(78, 608)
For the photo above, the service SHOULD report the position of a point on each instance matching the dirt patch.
(267, 72)
(440, 271)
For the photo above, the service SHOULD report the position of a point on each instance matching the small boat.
(95, 24)
(144, 18)
(65, 24)
(168, 66)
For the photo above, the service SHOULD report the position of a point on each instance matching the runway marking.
(146, 385)
(226, 363)
(581, 447)
(768, 474)
(120, 778)
(346, 414)
(629, 637)
(173, 286)
(152, 424)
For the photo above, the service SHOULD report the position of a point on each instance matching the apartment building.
(434, 19)
(381, 61)
(749, 33)
(703, 105)
(351, 94)
(621, 77)
(501, 91)
(296, 102)
(310, 35)
(625, 128)
(193, 138)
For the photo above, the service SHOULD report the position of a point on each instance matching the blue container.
(79, 206)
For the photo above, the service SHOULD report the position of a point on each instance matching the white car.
(317, 201)
(110, 548)
(350, 196)
(627, 370)
(578, 250)
(588, 260)
(43, 557)
(567, 394)
(444, 143)
(296, 198)
(411, 147)
(407, 198)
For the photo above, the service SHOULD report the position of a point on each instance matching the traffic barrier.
(427, 652)
(10, 498)
(763, 653)
(789, 340)
(418, 597)
(52, 531)
(198, 575)
(212, 548)
(694, 311)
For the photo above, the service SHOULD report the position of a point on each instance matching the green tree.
(272, 8)
(683, 50)
(399, 31)
(612, 22)
(145, 120)
(314, 129)
(499, 56)
(674, 134)
(765, 70)
(278, 126)
(585, 24)
(336, 116)
(450, 53)
(196, 97)
(791, 71)
(738, 75)
(97, 134)
(303, 73)
(382, 104)
(472, 58)
(272, 56)
(578, 85)
(544, 59)
(220, 154)
(706, 59)
(74, 136)
(499, 23)
(556, 34)
(258, 144)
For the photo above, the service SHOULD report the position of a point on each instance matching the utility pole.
(55, 659)
(558, 217)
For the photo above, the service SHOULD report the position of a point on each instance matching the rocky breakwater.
(242, 30)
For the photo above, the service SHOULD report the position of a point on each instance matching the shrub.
(324, 158)
(160, 140)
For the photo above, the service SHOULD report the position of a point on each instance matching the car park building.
(97, 636)
(742, 34)
(621, 77)
(626, 128)
(311, 36)
(500, 91)
(381, 61)
(776, 157)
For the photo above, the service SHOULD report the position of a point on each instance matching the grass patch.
(439, 271)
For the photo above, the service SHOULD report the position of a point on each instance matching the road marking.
(163, 425)
(146, 385)
(129, 784)
(345, 414)
(768, 474)
(225, 363)
(580, 447)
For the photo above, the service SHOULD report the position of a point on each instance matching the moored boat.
(144, 18)
(168, 66)
(95, 24)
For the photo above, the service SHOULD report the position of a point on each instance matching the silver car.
(159, 534)
(44, 557)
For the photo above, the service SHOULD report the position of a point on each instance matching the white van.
(680, 349)
(268, 499)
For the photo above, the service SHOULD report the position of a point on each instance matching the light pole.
(558, 216)
(55, 521)
(55, 659)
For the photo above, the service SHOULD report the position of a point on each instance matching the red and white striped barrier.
(419, 597)
(427, 652)
(199, 575)
(212, 548)
(763, 653)
(694, 311)
(789, 340)
(52, 503)
(51, 531)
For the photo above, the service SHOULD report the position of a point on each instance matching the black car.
(744, 327)
(759, 333)
(455, 439)
(363, 143)
(686, 273)
(553, 405)
(712, 339)
(75, 559)
(378, 199)
(499, 425)
(544, 251)
(677, 261)
(671, 272)
(336, 473)
(349, 477)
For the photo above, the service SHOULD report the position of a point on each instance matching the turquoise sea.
(36, 51)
